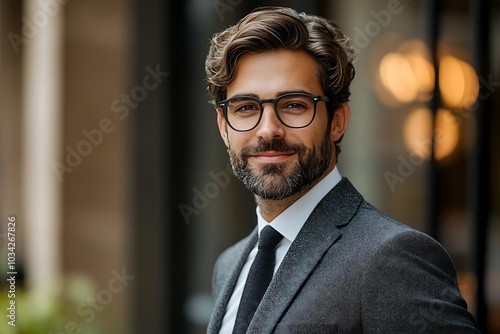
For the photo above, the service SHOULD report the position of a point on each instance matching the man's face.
(273, 160)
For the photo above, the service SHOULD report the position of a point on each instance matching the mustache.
(278, 145)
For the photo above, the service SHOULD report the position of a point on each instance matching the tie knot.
(269, 238)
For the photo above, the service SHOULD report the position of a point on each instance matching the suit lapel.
(317, 235)
(241, 254)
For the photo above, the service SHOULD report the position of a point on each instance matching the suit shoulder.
(377, 224)
(385, 238)
(381, 234)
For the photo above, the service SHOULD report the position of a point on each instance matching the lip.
(272, 156)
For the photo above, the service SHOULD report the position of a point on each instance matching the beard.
(273, 181)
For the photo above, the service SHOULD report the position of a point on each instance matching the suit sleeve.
(219, 273)
(215, 280)
(411, 287)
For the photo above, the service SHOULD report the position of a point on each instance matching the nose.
(270, 126)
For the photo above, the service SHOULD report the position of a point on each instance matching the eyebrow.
(277, 94)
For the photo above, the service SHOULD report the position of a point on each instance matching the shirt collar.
(290, 221)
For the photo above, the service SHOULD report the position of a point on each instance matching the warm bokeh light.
(458, 83)
(423, 72)
(398, 77)
(417, 131)
(419, 57)
(407, 75)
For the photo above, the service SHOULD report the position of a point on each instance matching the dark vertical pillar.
(434, 9)
(480, 170)
(178, 140)
(150, 170)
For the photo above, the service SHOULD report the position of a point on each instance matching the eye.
(295, 105)
(243, 106)
(246, 108)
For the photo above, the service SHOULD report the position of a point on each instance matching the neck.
(270, 209)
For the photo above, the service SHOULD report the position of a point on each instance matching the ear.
(221, 122)
(340, 121)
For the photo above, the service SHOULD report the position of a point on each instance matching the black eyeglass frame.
(315, 98)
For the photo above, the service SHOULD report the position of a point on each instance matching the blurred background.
(113, 170)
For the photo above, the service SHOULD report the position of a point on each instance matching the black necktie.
(259, 276)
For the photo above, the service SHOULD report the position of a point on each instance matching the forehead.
(270, 73)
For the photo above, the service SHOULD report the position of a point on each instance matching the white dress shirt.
(288, 223)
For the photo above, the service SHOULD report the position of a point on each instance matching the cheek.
(237, 141)
(311, 136)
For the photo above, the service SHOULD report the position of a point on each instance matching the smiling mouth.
(272, 156)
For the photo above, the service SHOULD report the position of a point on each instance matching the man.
(280, 81)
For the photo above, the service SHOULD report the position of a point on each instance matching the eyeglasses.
(294, 110)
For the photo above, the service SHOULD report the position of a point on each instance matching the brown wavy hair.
(274, 28)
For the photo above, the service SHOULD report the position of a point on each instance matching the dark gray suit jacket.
(351, 269)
